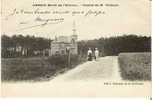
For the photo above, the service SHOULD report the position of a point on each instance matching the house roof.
(63, 39)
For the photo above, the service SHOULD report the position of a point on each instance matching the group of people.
(92, 54)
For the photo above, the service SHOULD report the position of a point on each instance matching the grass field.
(135, 66)
(36, 68)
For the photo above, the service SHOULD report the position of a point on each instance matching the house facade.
(60, 45)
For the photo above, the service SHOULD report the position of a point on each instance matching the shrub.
(62, 60)
(135, 66)
(58, 60)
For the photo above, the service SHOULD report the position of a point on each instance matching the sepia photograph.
(76, 48)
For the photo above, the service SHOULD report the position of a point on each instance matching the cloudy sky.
(130, 17)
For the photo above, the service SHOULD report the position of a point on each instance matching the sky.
(130, 17)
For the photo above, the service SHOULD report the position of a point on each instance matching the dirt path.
(86, 80)
(103, 69)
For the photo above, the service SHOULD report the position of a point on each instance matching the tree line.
(13, 46)
(118, 44)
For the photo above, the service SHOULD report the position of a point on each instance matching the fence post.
(69, 58)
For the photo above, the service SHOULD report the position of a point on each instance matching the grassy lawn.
(36, 68)
(135, 66)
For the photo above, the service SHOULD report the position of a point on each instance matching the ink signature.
(43, 22)
(40, 20)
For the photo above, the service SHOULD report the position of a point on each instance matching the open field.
(91, 79)
(36, 68)
(135, 66)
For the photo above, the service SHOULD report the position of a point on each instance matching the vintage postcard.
(76, 48)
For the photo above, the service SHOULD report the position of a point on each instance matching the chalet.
(60, 44)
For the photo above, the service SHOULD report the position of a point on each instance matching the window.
(63, 52)
(57, 52)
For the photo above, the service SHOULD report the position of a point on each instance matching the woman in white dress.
(96, 53)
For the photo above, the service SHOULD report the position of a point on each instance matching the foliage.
(58, 60)
(107, 46)
(135, 66)
(30, 43)
(115, 45)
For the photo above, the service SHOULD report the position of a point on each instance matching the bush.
(58, 60)
(135, 66)
(62, 61)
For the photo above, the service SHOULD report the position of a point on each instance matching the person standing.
(96, 53)
(89, 54)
